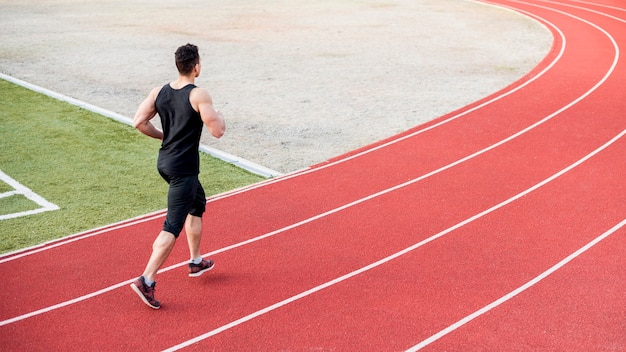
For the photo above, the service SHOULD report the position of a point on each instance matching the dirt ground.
(298, 81)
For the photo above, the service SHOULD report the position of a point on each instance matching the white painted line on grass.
(8, 194)
(220, 154)
(44, 205)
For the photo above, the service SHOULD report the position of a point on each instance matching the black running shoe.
(145, 292)
(196, 270)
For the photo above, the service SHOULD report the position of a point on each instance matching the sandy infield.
(298, 81)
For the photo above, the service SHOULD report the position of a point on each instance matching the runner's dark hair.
(186, 58)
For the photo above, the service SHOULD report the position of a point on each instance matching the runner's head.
(187, 58)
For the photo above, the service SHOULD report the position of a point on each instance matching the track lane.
(177, 298)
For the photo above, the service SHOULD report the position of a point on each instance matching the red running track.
(500, 226)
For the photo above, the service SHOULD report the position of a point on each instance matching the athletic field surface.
(498, 227)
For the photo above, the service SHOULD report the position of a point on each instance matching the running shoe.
(196, 270)
(145, 292)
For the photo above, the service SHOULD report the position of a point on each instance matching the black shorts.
(184, 197)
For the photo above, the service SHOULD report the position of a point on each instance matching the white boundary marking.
(8, 194)
(220, 154)
(102, 229)
(44, 205)
(517, 291)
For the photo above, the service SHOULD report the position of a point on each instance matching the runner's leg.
(161, 249)
(193, 224)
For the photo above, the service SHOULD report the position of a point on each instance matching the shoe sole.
(201, 271)
(143, 298)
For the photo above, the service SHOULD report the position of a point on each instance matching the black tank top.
(182, 127)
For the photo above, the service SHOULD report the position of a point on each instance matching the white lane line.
(587, 9)
(66, 303)
(56, 243)
(395, 255)
(515, 292)
(599, 5)
(90, 233)
(330, 283)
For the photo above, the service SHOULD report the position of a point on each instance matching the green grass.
(98, 171)
(15, 204)
(5, 188)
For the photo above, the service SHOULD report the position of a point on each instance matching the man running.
(183, 109)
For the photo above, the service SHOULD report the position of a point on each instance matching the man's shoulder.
(156, 90)
(199, 95)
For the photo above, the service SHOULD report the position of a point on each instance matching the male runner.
(183, 109)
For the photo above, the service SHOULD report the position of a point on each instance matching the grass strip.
(98, 171)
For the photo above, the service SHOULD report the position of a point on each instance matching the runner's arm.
(145, 112)
(212, 119)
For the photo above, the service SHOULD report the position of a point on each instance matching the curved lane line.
(589, 10)
(600, 5)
